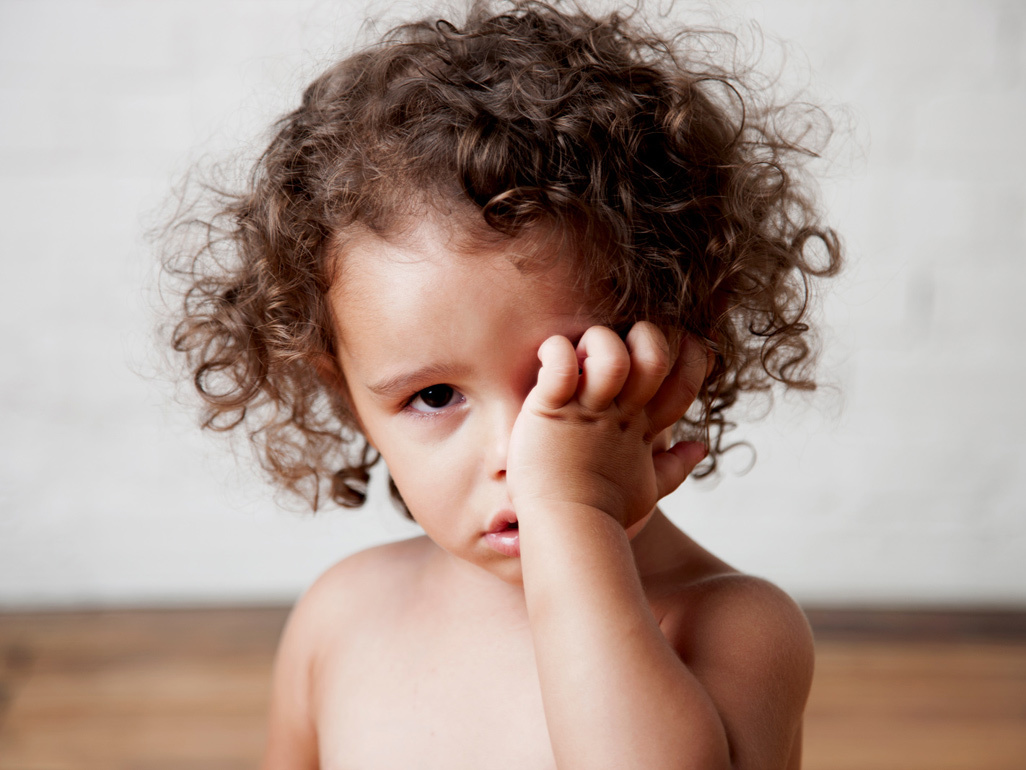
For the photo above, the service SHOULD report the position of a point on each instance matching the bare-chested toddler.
(529, 260)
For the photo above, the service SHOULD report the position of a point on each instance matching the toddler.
(529, 261)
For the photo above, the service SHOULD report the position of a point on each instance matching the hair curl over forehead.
(679, 188)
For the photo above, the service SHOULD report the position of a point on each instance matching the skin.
(613, 640)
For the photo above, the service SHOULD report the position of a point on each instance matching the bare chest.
(450, 694)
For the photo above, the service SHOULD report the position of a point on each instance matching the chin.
(508, 571)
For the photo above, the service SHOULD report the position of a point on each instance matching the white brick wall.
(907, 484)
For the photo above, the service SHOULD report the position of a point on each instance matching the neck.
(660, 546)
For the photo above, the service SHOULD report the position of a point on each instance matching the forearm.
(615, 692)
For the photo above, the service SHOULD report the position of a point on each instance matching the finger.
(675, 465)
(605, 365)
(557, 378)
(662, 441)
(681, 386)
(650, 363)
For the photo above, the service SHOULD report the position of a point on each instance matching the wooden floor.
(155, 690)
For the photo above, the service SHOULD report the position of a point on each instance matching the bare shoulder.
(346, 590)
(751, 647)
(742, 621)
(368, 576)
(340, 600)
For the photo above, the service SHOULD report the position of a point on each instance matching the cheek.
(420, 474)
(433, 478)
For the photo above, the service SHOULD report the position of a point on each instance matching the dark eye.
(434, 398)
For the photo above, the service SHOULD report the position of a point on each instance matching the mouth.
(506, 521)
(503, 534)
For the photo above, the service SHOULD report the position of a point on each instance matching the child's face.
(439, 350)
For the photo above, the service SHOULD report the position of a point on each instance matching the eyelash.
(434, 412)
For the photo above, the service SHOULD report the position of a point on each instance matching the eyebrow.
(405, 383)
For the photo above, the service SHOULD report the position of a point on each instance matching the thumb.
(676, 464)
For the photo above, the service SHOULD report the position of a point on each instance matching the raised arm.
(616, 690)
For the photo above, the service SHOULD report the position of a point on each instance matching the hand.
(592, 430)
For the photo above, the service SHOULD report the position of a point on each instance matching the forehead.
(432, 277)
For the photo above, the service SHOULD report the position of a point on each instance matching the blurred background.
(903, 483)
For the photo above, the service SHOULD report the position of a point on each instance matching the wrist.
(571, 537)
(547, 513)
(574, 557)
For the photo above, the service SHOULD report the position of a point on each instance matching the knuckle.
(619, 364)
(605, 351)
(649, 348)
(655, 362)
(601, 340)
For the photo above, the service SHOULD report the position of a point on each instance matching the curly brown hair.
(680, 187)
